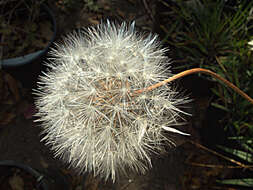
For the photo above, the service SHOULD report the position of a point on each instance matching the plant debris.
(20, 35)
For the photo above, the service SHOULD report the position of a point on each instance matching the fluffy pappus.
(90, 115)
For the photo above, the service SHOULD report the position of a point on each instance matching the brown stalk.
(192, 71)
(250, 167)
(217, 166)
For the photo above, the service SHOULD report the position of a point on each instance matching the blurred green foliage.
(238, 69)
(200, 31)
(215, 35)
(245, 153)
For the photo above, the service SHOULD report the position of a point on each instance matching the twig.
(148, 10)
(192, 71)
(127, 184)
(220, 64)
(12, 11)
(217, 166)
(16, 28)
(222, 156)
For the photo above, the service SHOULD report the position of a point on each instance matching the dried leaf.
(93, 21)
(16, 183)
(44, 163)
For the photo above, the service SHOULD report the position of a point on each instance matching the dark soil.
(22, 33)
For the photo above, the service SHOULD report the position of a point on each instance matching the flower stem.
(197, 70)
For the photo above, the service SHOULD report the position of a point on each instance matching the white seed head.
(251, 44)
(89, 115)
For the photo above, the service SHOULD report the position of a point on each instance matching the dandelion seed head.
(90, 117)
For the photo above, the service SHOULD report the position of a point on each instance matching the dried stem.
(192, 71)
(222, 156)
(217, 166)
